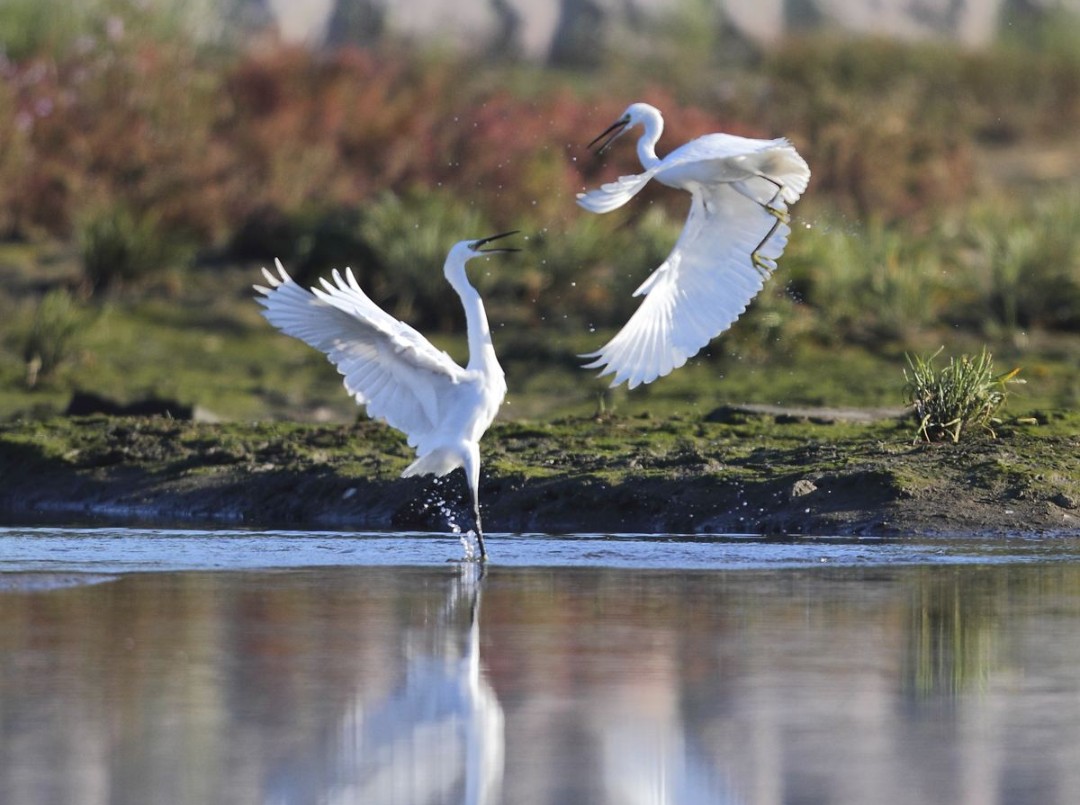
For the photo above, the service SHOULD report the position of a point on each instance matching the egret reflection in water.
(648, 755)
(438, 738)
(927, 671)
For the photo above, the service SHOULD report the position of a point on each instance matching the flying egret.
(395, 372)
(740, 190)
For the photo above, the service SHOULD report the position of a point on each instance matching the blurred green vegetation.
(146, 174)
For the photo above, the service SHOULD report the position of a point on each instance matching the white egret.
(737, 228)
(395, 372)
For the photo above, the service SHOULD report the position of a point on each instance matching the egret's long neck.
(481, 350)
(646, 144)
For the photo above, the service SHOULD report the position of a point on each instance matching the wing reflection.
(648, 762)
(438, 738)
(649, 754)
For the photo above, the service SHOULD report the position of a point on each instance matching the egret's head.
(475, 246)
(635, 113)
(468, 249)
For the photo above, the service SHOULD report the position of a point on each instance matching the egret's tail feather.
(438, 462)
(613, 195)
(792, 172)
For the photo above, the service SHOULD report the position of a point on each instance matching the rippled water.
(180, 667)
(129, 549)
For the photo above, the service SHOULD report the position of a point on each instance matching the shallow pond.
(182, 667)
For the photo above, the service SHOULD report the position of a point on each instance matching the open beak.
(614, 130)
(476, 244)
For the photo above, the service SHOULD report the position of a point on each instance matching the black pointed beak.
(476, 244)
(615, 129)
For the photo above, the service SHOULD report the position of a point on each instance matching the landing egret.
(395, 372)
(740, 190)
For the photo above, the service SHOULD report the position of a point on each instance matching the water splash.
(450, 510)
(437, 499)
(468, 543)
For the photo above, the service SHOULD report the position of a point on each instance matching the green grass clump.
(121, 246)
(963, 395)
(50, 343)
(868, 282)
(1020, 264)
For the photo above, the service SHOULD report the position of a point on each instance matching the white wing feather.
(613, 195)
(386, 365)
(699, 291)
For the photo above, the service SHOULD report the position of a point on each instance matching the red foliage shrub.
(212, 144)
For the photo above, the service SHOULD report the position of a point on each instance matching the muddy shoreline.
(739, 470)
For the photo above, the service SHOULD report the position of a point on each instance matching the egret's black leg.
(472, 476)
(780, 213)
(762, 264)
(479, 530)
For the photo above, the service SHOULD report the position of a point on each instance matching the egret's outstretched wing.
(386, 364)
(700, 290)
(613, 195)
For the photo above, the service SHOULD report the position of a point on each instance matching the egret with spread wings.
(387, 366)
(737, 229)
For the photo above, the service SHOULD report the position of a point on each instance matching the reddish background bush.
(211, 143)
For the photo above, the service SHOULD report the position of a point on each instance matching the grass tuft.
(50, 342)
(121, 246)
(965, 394)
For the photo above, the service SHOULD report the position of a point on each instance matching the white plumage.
(737, 229)
(396, 373)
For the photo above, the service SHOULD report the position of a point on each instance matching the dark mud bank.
(738, 471)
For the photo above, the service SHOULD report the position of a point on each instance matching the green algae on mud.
(737, 470)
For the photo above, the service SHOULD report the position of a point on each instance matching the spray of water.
(450, 511)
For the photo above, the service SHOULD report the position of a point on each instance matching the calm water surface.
(240, 667)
